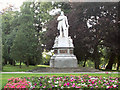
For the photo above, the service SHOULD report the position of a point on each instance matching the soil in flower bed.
(63, 82)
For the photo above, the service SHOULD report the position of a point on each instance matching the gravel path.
(56, 72)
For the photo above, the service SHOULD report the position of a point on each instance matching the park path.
(57, 72)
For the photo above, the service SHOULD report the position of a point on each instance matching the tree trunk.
(118, 64)
(5, 62)
(84, 62)
(13, 63)
(111, 61)
(27, 63)
(20, 63)
(97, 63)
(96, 58)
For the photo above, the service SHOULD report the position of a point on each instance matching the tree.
(26, 45)
(0, 45)
(9, 18)
(88, 39)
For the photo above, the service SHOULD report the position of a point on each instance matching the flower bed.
(17, 83)
(62, 82)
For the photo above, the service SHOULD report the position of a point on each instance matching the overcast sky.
(5, 3)
(18, 3)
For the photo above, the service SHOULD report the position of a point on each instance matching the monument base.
(63, 61)
(63, 53)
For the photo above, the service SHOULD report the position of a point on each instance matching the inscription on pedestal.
(63, 51)
(71, 51)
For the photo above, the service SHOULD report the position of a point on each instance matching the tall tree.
(8, 32)
(26, 46)
(89, 28)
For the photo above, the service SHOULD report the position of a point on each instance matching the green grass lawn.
(5, 77)
(10, 68)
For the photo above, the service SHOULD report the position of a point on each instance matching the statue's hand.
(68, 26)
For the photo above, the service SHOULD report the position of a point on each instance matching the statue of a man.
(63, 25)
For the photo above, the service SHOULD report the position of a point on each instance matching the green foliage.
(88, 63)
(88, 40)
(45, 57)
(26, 44)
(9, 21)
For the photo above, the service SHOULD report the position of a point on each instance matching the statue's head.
(62, 13)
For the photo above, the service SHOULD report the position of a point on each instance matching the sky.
(5, 3)
(18, 3)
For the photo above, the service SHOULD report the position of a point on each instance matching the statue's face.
(62, 13)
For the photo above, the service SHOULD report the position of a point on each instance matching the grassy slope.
(5, 77)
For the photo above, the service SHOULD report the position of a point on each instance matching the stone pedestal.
(63, 53)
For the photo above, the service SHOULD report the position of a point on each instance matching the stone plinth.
(63, 53)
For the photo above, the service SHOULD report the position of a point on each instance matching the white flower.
(49, 81)
(93, 78)
(82, 84)
(114, 85)
(56, 82)
(62, 87)
(55, 85)
(107, 87)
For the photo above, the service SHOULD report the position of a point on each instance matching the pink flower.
(71, 80)
(12, 87)
(73, 85)
(78, 86)
(82, 81)
(18, 86)
(92, 82)
(35, 84)
(96, 83)
(106, 72)
(96, 86)
(22, 86)
(68, 83)
(65, 84)
(44, 87)
(60, 85)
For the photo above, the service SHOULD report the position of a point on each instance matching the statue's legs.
(66, 32)
(61, 33)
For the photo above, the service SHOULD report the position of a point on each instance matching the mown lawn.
(5, 77)
(10, 68)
